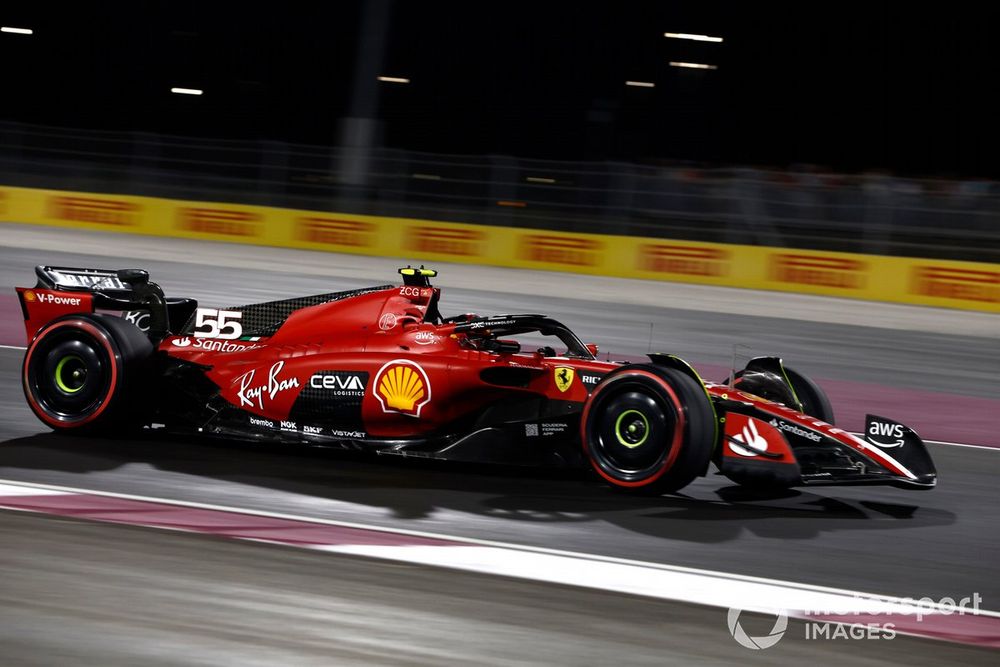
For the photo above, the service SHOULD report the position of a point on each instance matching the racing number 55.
(221, 323)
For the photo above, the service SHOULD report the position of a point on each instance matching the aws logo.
(402, 386)
(884, 433)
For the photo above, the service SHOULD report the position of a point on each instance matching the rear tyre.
(648, 429)
(84, 373)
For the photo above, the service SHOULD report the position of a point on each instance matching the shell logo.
(29, 296)
(402, 386)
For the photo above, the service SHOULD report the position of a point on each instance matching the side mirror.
(593, 349)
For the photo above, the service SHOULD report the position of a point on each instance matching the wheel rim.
(69, 375)
(631, 432)
(632, 429)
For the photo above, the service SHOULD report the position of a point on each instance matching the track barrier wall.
(943, 283)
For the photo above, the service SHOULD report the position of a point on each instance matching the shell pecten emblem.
(564, 377)
(402, 386)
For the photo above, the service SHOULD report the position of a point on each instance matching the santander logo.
(754, 442)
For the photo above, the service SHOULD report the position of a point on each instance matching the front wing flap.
(764, 449)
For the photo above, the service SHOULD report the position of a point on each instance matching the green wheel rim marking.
(59, 374)
(631, 429)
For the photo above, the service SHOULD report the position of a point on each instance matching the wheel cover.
(631, 431)
(69, 375)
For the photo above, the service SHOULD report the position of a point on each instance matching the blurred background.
(858, 126)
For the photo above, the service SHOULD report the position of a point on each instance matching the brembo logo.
(332, 231)
(402, 386)
(254, 421)
(217, 221)
(99, 211)
(561, 250)
(948, 283)
(818, 270)
(446, 241)
(685, 260)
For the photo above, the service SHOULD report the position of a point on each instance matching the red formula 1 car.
(381, 369)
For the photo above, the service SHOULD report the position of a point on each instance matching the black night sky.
(874, 85)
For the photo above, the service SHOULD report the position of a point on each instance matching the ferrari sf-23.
(381, 369)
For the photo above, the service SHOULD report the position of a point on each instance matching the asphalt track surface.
(885, 541)
(82, 593)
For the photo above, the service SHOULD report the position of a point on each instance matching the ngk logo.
(446, 241)
(335, 232)
(949, 283)
(99, 211)
(218, 221)
(686, 260)
(560, 250)
(818, 270)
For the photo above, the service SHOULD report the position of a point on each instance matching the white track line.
(668, 582)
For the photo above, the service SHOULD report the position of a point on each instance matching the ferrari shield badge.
(564, 377)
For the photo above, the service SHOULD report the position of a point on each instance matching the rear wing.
(62, 290)
(80, 280)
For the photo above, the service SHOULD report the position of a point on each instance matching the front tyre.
(648, 429)
(814, 400)
(84, 372)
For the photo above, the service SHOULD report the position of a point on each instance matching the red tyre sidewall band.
(101, 338)
(675, 445)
